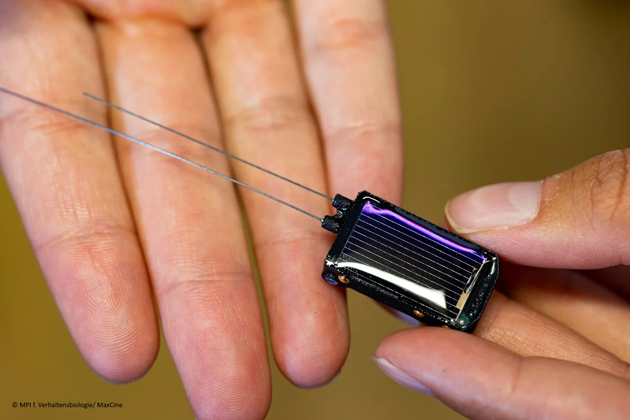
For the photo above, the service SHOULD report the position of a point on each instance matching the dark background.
(491, 91)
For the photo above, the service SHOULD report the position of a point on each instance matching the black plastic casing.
(373, 282)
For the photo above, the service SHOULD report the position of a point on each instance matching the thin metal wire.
(157, 149)
(216, 149)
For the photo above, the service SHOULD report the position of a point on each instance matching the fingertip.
(436, 353)
(311, 351)
(120, 356)
(401, 377)
(312, 364)
(103, 294)
(241, 397)
(498, 206)
(244, 406)
(545, 223)
(459, 369)
(412, 338)
(123, 365)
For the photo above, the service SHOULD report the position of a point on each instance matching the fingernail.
(494, 207)
(401, 377)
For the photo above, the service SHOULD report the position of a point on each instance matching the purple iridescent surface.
(412, 265)
(369, 208)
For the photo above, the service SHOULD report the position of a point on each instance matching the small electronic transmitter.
(381, 250)
(408, 263)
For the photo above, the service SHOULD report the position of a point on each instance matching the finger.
(482, 380)
(189, 220)
(577, 219)
(267, 121)
(66, 185)
(574, 300)
(528, 332)
(351, 73)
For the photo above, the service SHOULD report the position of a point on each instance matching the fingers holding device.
(557, 335)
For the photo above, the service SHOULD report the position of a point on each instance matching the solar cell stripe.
(421, 251)
(418, 249)
(450, 312)
(451, 300)
(418, 243)
(440, 276)
(463, 276)
(432, 286)
(406, 276)
(418, 234)
(386, 242)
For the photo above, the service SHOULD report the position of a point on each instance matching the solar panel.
(411, 264)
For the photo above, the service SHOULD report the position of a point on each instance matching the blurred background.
(491, 91)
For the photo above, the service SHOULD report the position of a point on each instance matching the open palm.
(114, 224)
(118, 228)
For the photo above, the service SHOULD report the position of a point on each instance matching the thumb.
(579, 218)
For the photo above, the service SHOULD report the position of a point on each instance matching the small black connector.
(342, 203)
(333, 223)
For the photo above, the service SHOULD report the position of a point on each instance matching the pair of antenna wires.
(173, 155)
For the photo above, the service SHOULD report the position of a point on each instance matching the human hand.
(557, 340)
(114, 224)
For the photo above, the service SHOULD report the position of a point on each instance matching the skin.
(554, 341)
(116, 227)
